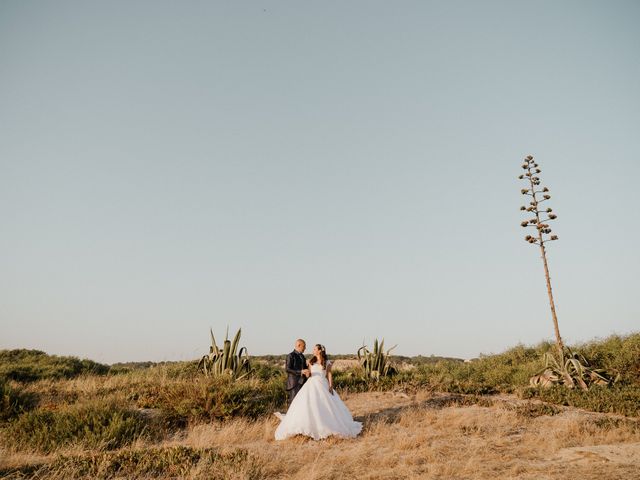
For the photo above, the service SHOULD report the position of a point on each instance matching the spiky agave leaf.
(236, 340)
(242, 364)
(202, 364)
(379, 358)
(226, 352)
(544, 379)
(571, 370)
(599, 376)
(214, 346)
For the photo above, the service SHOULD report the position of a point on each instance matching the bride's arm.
(330, 377)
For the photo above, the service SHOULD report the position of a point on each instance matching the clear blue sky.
(331, 170)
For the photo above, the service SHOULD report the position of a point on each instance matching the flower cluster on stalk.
(538, 195)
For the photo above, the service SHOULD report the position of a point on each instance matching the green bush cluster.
(509, 372)
(246, 399)
(354, 381)
(182, 369)
(181, 402)
(14, 400)
(620, 399)
(99, 424)
(222, 399)
(30, 365)
(140, 409)
(619, 354)
(488, 374)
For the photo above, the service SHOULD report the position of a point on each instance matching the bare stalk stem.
(543, 252)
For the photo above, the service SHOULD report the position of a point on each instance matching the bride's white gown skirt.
(316, 413)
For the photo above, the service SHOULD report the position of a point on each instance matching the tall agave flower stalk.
(568, 368)
(542, 231)
(376, 363)
(228, 360)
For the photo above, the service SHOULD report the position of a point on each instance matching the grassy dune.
(435, 419)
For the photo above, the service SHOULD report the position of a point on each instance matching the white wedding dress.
(316, 413)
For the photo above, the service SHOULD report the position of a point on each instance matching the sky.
(336, 171)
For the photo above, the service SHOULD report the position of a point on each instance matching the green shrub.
(182, 369)
(266, 371)
(215, 398)
(620, 399)
(248, 399)
(421, 360)
(619, 354)
(533, 410)
(352, 380)
(98, 424)
(509, 372)
(14, 400)
(31, 365)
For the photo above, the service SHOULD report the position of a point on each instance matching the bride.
(317, 411)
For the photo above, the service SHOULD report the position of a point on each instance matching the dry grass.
(424, 435)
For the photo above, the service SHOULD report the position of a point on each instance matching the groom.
(297, 371)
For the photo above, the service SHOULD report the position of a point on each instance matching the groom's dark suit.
(295, 379)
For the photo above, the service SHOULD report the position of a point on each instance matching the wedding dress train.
(316, 413)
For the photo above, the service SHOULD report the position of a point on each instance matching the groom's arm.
(289, 367)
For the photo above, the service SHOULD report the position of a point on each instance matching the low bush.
(617, 354)
(30, 365)
(183, 369)
(510, 371)
(14, 400)
(533, 410)
(620, 399)
(205, 399)
(353, 381)
(488, 374)
(247, 399)
(265, 371)
(97, 424)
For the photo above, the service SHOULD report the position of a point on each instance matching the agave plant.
(542, 231)
(376, 363)
(572, 370)
(228, 360)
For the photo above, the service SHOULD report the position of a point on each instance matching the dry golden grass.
(421, 437)
(431, 436)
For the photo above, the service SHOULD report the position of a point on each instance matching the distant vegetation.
(30, 365)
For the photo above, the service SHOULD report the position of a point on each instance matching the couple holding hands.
(315, 408)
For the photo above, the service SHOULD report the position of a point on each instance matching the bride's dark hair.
(323, 356)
